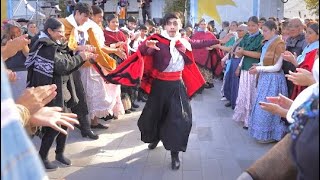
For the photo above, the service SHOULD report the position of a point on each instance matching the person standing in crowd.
(307, 57)
(262, 20)
(62, 63)
(264, 126)
(284, 30)
(130, 27)
(231, 78)
(146, 10)
(212, 28)
(16, 63)
(32, 29)
(295, 44)
(225, 29)
(117, 39)
(23, 24)
(230, 39)
(189, 31)
(250, 51)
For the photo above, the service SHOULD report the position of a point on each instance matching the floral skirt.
(264, 125)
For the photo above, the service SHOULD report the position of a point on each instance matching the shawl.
(103, 58)
(273, 51)
(207, 59)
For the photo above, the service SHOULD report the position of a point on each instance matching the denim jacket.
(19, 159)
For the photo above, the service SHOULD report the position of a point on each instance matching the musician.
(145, 6)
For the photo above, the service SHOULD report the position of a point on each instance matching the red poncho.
(205, 58)
(138, 70)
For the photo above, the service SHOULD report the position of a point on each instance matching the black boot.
(90, 134)
(107, 118)
(49, 165)
(61, 158)
(127, 111)
(153, 145)
(175, 162)
(134, 105)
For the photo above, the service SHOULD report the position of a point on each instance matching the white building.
(297, 8)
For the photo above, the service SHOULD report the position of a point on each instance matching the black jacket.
(54, 64)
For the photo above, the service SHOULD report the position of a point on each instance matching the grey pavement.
(218, 148)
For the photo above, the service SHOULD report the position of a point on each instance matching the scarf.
(306, 50)
(74, 35)
(173, 40)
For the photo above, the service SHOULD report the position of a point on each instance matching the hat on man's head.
(132, 19)
(22, 20)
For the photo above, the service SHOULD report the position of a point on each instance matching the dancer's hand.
(121, 54)
(152, 44)
(54, 118)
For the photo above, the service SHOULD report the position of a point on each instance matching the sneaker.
(223, 99)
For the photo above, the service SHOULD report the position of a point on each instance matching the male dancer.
(78, 34)
(171, 77)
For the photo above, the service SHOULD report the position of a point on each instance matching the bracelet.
(24, 113)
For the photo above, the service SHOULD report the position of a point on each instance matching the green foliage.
(313, 6)
(178, 6)
(63, 7)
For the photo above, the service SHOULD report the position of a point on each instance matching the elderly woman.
(16, 62)
(57, 64)
(231, 85)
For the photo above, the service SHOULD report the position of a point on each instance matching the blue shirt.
(19, 158)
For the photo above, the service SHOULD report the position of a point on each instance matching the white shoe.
(223, 99)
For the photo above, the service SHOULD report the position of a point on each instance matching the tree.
(182, 6)
(313, 6)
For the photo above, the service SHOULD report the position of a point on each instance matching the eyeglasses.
(61, 32)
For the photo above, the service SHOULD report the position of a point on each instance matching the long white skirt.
(246, 97)
(102, 99)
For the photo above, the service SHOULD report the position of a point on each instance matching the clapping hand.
(277, 105)
(302, 77)
(54, 117)
(35, 98)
